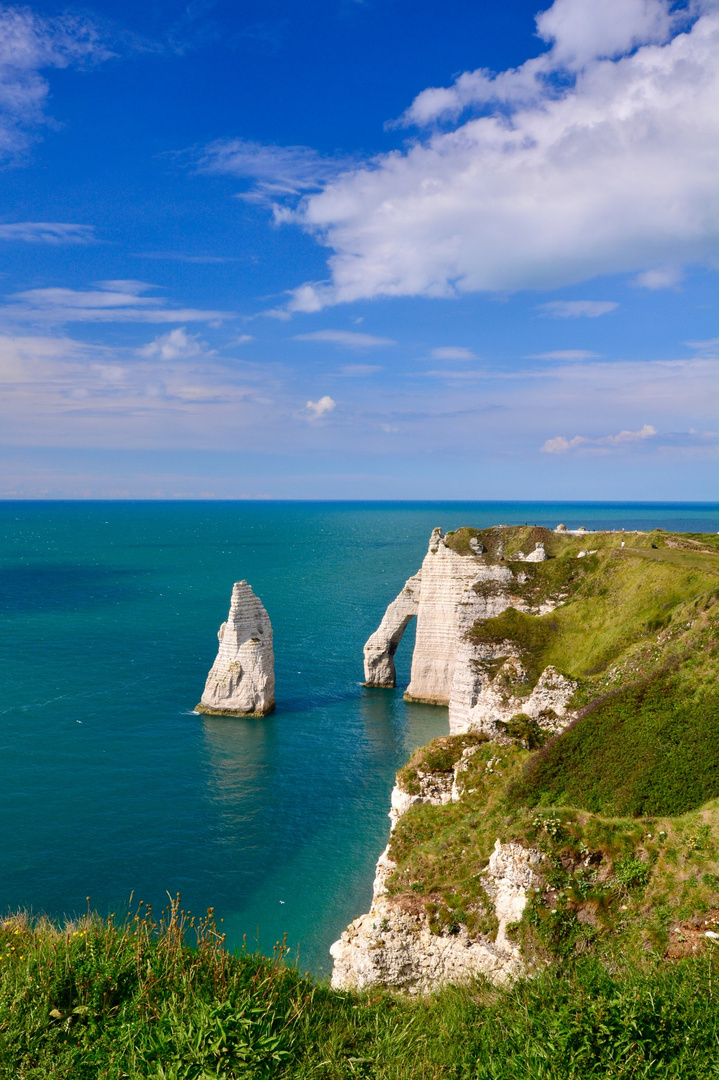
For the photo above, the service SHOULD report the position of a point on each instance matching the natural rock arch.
(379, 669)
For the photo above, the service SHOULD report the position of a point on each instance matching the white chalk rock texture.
(241, 681)
(393, 946)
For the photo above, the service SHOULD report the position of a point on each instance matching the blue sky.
(349, 249)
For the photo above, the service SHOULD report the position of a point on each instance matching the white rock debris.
(437, 788)
(241, 681)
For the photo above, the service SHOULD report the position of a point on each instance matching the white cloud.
(30, 43)
(668, 278)
(577, 309)
(319, 408)
(565, 354)
(275, 171)
(598, 158)
(47, 232)
(708, 348)
(347, 338)
(178, 256)
(57, 390)
(560, 444)
(109, 301)
(176, 345)
(451, 352)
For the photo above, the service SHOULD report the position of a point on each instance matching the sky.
(359, 249)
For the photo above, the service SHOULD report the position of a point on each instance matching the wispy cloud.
(708, 348)
(348, 339)
(29, 44)
(561, 445)
(452, 352)
(578, 309)
(178, 256)
(459, 375)
(564, 354)
(666, 278)
(109, 301)
(47, 232)
(273, 172)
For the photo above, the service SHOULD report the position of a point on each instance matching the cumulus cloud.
(452, 352)
(560, 444)
(29, 44)
(599, 157)
(346, 338)
(108, 301)
(578, 309)
(47, 232)
(321, 407)
(176, 345)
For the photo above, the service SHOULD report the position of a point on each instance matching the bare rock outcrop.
(483, 700)
(443, 598)
(393, 945)
(448, 596)
(379, 651)
(241, 681)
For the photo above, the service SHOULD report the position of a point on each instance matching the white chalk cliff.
(449, 594)
(442, 598)
(241, 681)
(393, 945)
(485, 686)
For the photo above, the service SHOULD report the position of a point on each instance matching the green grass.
(652, 748)
(94, 1001)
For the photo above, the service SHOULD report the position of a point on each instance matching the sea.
(114, 791)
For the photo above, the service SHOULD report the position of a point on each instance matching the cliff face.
(453, 590)
(441, 596)
(241, 681)
(395, 944)
(576, 677)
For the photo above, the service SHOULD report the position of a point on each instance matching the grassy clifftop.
(98, 1001)
(624, 804)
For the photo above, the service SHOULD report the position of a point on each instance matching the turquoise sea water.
(109, 782)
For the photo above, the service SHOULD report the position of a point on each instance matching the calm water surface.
(109, 782)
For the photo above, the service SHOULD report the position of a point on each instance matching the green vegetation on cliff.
(624, 803)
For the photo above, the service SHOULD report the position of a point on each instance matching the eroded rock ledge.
(394, 946)
(241, 681)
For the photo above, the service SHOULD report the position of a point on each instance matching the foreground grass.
(100, 1001)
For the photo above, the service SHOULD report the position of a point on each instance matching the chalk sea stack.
(241, 681)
